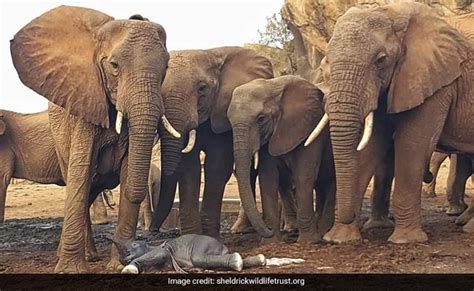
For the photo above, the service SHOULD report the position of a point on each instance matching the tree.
(276, 35)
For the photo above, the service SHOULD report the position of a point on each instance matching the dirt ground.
(30, 235)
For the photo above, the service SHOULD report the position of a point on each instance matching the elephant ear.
(301, 109)
(55, 56)
(238, 66)
(434, 52)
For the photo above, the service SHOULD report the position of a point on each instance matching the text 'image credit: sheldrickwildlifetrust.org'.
(262, 137)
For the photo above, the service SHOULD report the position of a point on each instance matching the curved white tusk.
(317, 130)
(368, 126)
(255, 161)
(169, 127)
(118, 122)
(191, 142)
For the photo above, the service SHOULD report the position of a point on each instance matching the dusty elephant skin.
(187, 251)
(196, 93)
(27, 151)
(97, 72)
(274, 117)
(369, 68)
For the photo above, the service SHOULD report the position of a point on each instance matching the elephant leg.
(383, 179)
(326, 195)
(305, 165)
(466, 216)
(5, 177)
(217, 172)
(254, 261)
(189, 189)
(412, 153)
(288, 202)
(229, 261)
(145, 213)
(91, 251)
(429, 189)
(156, 257)
(79, 168)
(459, 171)
(243, 224)
(127, 219)
(268, 182)
(98, 212)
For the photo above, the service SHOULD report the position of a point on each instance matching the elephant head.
(130, 250)
(280, 112)
(389, 58)
(198, 87)
(101, 70)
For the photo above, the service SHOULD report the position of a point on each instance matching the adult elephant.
(196, 93)
(97, 72)
(274, 117)
(377, 63)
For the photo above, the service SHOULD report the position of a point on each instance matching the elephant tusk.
(170, 128)
(255, 161)
(118, 122)
(191, 142)
(368, 126)
(317, 130)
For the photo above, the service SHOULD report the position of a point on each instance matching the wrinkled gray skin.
(196, 92)
(377, 63)
(274, 117)
(187, 251)
(91, 66)
(460, 169)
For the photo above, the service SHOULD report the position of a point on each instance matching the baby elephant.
(187, 251)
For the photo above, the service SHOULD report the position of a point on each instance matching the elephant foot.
(469, 227)
(465, 217)
(403, 235)
(242, 225)
(235, 262)
(71, 266)
(114, 265)
(381, 222)
(130, 269)
(99, 221)
(92, 256)
(276, 238)
(428, 193)
(291, 225)
(456, 209)
(343, 233)
(309, 238)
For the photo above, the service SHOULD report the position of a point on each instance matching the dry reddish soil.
(30, 235)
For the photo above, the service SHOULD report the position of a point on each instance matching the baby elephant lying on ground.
(187, 251)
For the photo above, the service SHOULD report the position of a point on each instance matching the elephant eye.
(114, 64)
(381, 58)
(202, 88)
(261, 119)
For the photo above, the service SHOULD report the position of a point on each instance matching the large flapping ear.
(239, 66)
(432, 59)
(301, 109)
(55, 56)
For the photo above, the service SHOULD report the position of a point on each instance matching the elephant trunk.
(143, 112)
(242, 156)
(345, 113)
(171, 154)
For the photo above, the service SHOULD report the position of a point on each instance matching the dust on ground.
(30, 235)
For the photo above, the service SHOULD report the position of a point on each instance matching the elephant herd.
(396, 84)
